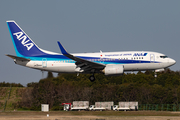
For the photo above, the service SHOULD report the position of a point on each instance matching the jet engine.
(159, 70)
(113, 69)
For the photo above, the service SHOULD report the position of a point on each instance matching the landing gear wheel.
(92, 78)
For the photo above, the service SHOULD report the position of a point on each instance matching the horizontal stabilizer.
(18, 58)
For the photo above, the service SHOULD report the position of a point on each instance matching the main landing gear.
(92, 78)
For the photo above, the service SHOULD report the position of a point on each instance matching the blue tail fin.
(23, 44)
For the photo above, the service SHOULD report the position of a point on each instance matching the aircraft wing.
(18, 58)
(85, 65)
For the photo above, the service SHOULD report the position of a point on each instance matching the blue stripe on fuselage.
(95, 59)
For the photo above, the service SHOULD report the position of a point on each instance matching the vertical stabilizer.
(23, 44)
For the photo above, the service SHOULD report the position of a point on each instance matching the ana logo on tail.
(24, 39)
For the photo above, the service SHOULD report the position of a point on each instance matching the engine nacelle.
(159, 70)
(113, 70)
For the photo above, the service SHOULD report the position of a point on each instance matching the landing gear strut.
(92, 78)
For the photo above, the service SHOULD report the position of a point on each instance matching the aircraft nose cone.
(172, 61)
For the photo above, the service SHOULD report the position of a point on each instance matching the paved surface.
(80, 116)
(89, 118)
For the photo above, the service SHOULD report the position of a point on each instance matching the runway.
(89, 115)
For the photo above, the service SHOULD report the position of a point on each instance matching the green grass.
(13, 98)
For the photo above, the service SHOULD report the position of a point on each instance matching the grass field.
(14, 97)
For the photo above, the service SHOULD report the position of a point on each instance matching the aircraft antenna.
(42, 73)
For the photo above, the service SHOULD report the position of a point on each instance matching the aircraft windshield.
(163, 56)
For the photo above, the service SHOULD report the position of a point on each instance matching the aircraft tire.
(92, 78)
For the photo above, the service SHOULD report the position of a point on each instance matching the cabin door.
(152, 58)
(44, 62)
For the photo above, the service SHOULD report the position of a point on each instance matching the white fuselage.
(131, 60)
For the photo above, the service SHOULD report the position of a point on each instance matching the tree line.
(141, 87)
(7, 84)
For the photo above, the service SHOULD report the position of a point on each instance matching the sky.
(89, 26)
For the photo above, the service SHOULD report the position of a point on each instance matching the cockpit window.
(163, 56)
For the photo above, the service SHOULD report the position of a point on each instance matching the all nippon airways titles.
(128, 54)
(24, 39)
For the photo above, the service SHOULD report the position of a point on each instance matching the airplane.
(28, 54)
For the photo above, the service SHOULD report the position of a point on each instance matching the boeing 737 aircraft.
(28, 54)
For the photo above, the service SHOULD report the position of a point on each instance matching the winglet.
(63, 51)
